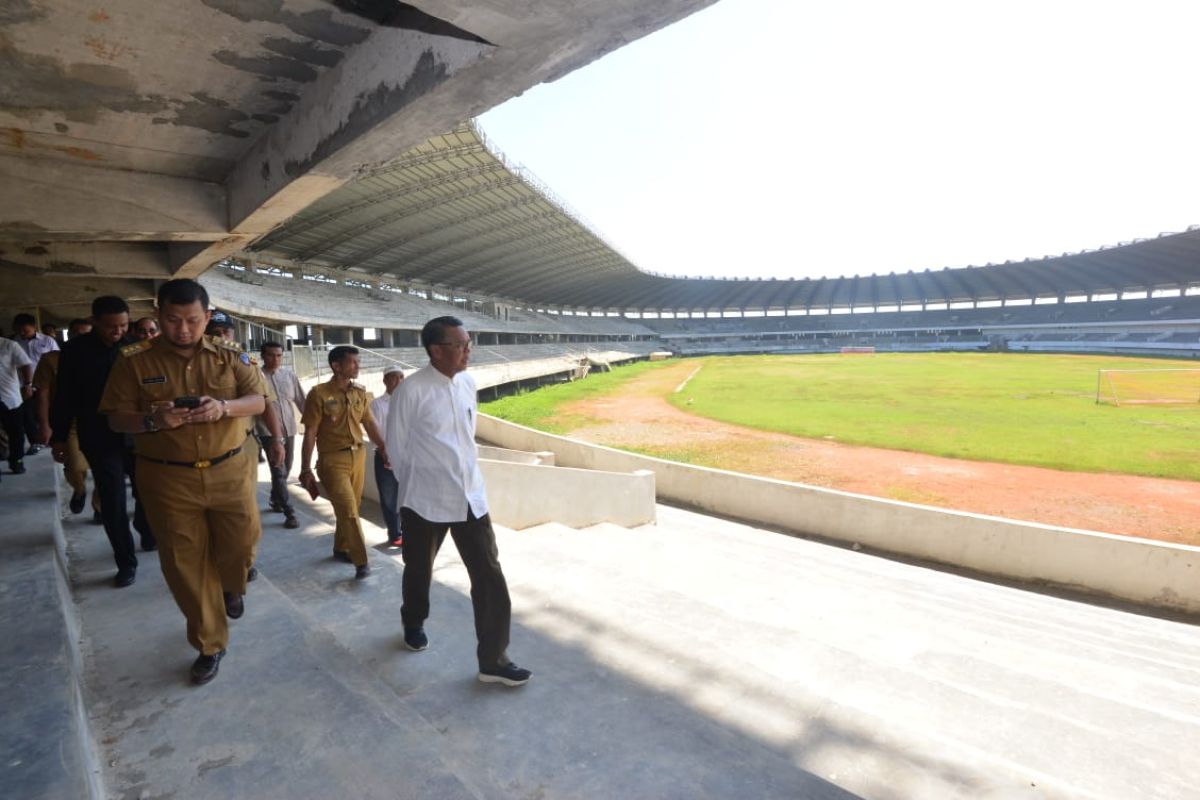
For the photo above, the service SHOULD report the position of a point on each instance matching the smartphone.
(187, 402)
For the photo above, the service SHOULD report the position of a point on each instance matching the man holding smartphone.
(180, 395)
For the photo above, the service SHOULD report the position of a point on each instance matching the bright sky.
(776, 138)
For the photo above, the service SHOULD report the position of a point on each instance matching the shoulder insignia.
(246, 359)
(225, 344)
(136, 347)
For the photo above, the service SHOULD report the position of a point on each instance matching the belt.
(350, 449)
(202, 464)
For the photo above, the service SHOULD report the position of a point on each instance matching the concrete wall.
(521, 495)
(1149, 573)
(544, 458)
(524, 495)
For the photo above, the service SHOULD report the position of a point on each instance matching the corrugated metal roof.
(455, 215)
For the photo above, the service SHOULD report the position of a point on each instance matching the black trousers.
(29, 419)
(14, 429)
(476, 543)
(109, 468)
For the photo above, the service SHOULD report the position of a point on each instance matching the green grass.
(540, 408)
(1014, 408)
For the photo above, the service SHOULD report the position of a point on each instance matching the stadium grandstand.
(696, 632)
(454, 224)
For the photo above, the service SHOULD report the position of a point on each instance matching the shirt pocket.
(222, 383)
(155, 389)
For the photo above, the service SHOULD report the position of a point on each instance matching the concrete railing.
(1149, 573)
(521, 495)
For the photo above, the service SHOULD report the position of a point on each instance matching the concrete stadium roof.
(149, 139)
(453, 214)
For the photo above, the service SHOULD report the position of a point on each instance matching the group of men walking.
(172, 408)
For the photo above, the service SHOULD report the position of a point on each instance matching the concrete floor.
(692, 659)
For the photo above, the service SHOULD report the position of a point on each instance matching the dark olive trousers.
(476, 543)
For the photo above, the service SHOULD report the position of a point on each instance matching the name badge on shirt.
(155, 379)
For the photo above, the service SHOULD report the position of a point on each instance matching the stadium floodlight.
(1148, 386)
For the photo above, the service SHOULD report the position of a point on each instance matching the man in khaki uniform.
(335, 414)
(181, 395)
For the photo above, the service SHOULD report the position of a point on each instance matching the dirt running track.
(640, 419)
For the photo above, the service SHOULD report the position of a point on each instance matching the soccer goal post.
(1123, 387)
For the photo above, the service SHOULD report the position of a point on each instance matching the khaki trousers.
(76, 468)
(250, 454)
(342, 473)
(205, 521)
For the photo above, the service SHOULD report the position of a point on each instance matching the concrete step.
(48, 749)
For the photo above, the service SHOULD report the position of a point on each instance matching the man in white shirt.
(385, 481)
(431, 441)
(289, 399)
(34, 343)
(16, 386)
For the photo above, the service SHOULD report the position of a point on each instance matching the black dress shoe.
(362, 571)
(275, 507)
(77, 501)
(204, 668)
(234, 605)
(17, 468)
(125, 577)
(33, 450)
(251, 573)
(97, 519)
(149, 544)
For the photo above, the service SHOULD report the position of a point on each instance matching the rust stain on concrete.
(99, 16)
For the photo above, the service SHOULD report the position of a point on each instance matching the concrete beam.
(48, 200)
(346, 120)
(18, 289)
(88, 259)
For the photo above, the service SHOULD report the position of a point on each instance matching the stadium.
(704, 627)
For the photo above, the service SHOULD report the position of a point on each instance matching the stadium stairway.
(696, 658)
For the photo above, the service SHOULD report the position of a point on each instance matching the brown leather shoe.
(204, 668)
(234, 605)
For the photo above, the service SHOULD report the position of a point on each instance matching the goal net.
(1148, 386)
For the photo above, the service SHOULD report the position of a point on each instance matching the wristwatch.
(148, 424)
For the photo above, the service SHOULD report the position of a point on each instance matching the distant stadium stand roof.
(453, 214)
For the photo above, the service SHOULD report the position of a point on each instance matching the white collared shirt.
(12, 358)
(431, 444)
(379, 410)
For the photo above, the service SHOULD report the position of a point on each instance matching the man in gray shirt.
(289, 398)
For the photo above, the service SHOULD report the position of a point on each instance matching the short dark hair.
(269, 345)
(109, 304)
(435, 330)
(182, 292)
(340, 352)
(24, 319)
(75, 325)
(140, 320)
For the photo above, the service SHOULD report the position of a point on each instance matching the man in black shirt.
(82, 373)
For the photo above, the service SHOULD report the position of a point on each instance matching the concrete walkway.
(693, 659)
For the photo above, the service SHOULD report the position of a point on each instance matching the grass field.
(1016, 408)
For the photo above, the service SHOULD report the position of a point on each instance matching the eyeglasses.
(457, 345)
